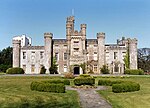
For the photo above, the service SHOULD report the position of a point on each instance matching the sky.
(117, 18)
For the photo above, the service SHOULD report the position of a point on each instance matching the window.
(56, 45)
(24, 55)
(32, 55)
(65, 45)
(115, 55)
(56, 56)
(32, 68)
(41, 55)
(95, 45)
(24, 67)
(76, 41)
(95, 55)
(95, 68)
(65, 56)
(65, 68)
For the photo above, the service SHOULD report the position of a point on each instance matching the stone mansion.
(73, 51)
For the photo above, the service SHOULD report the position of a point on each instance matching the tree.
(43, 70)
(105, 70)
(6, 59)
(53, 68)
(83, 66)
(127, 60)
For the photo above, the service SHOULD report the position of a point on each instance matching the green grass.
(15, 92)
(138, 99)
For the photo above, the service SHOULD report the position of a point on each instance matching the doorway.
(76, 70)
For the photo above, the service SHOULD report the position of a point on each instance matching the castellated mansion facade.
(76, 49)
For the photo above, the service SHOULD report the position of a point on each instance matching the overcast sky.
(117, 18)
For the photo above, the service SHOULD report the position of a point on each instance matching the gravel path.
(89, 98)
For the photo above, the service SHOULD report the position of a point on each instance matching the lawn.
(15, 93)
(138, 99)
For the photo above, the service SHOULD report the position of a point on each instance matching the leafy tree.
(53, 68)
(83, 66)
(105, 70)
(5, 59)
(127, 60)
(43, 70)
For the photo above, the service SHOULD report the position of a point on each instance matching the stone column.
(101, 49)
(16, 53)
(133, 53)
(48, 51)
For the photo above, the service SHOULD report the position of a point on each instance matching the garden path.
(89, 98)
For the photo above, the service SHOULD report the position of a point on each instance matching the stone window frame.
(41, 54)
(95, 68)
(115, 55)
(32, 68)
(24, 55)
(57, 56)
(65, 56)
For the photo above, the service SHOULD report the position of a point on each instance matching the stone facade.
(75, 50)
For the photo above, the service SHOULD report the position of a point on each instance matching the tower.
(101, 49)
(83, 33)
(133, 53)
(16, 53)
(48, 50)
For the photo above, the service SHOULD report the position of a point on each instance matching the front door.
(76, 70)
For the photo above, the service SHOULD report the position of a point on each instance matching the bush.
(65, 81)
(84, 81)
(15, 70)
(85, 75)
(43, 70)
(109, 82)
(48, 87)
(105, 70)
(134, 71)
(53, 70)
(125, 87)
(69, 75)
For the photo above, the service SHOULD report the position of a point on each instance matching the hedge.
(134, 71)
(84, 81)
(85, 75)
(48, 87)
(15, 70)
(125, 87)
(119, 86)
(109, 82)
(65, 81)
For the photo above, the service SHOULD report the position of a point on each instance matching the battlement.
(132, 41)
(48, 35)
(100, 35)
(16, 41)
(70, 19)
(83, 25)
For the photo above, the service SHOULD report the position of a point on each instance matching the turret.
(101, 49)
(48, 50)
(133, 53)
(83, 30)
(16, 53)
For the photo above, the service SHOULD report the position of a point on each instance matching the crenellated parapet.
(100, 35)
(132, 41)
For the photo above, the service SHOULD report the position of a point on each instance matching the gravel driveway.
(89, 98)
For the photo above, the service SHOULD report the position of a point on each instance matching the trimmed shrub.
(105, 70)
(109, 82)
(15, 70)
(134, 71)
(43, 70)
(125, 87)
(65, 81)
(85, 75)
(84, 81)
(48, 87)
(69, 75)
